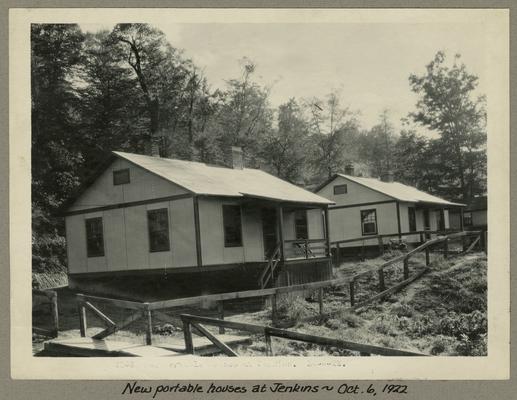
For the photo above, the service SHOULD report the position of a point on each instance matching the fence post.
(82, 315)
(446, 248)
(352, 292)
(269, 345)
(382, 287)
(427, 256)
(149, 326)
(220, 309)
(406, 268)
(187, 334)
(55, 312)
(320, 299)
(273, 308)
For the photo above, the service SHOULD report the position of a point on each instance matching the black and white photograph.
(265, 185)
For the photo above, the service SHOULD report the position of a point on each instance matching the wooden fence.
(424, 235)
(149, 310)
(190, 321)
(50, 297)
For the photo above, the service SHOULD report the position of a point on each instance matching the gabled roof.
(395, 190)
(210, 180)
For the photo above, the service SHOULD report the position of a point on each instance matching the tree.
(284, 148)
(330, 124)
(56, 151)
(447, 105)
(243, 116)
(113, 114)
(378, 146)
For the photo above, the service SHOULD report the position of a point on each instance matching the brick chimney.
(387, 177)
(349, 169)
(237, 158)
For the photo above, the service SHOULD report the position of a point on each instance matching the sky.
(369, 63)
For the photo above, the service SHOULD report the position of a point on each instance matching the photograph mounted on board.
(261, 189)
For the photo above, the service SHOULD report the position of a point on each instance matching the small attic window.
(121, 176)
(340, 189)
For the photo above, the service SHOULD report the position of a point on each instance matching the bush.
(292, 309)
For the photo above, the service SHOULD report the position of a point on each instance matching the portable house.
(199, 228)
(474, 216)
(367, 207)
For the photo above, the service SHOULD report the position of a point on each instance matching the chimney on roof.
(349, 169)
(237, 158)
(387, 177)
(152, 146)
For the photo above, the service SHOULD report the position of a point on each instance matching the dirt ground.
(409, 320)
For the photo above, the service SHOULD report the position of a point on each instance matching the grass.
(443, 313)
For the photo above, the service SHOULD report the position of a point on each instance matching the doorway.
(269, 230)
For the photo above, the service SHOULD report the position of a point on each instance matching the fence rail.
(153, 309)
(268, 332)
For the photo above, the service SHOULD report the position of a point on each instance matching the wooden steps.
(175, 347)
(88, 347)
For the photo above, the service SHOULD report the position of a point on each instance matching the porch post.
(327, 235)
(462, 227)
(280, 216)
(398, 220)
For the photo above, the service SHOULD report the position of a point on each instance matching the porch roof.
(210, 180)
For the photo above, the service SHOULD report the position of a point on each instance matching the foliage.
(446, 105)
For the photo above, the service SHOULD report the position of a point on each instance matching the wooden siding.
(345, 223)
(356, 193)
(143, 186)
(126, 239)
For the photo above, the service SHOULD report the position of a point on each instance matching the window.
(467, 219)
(340, 189)
(300, 224)
(369, 222)
(158, 223)
(94, 237)
(121, 176)
(232, 226)
(412, 219)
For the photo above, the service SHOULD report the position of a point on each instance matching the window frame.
(117, 173)
(344, 185)
(412, 219)
(374, 210)
(150, 233)
(296, 226)
(227, 242)
(102, 251)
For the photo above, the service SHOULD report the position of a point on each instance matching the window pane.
(121, 176)
(232, 226)
(369, 222)
(300, 224)
(340, 189)
(158, 223)
(94, 237)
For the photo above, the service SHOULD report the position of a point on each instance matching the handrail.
(386, 235)
(270, 266)
(269, 331)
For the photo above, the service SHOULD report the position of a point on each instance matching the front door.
(269, 230)
(427, 222)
